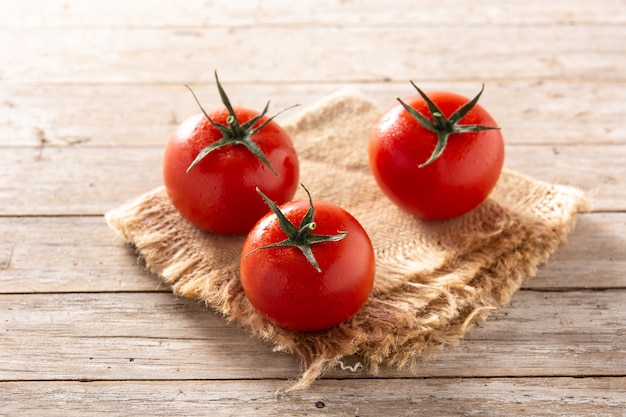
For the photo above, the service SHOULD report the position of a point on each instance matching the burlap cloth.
(433, 280)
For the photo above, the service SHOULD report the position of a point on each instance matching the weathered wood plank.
(135, 336)
(60, 181)
(199, 13)
(88, 181)
(597, 170)
(580, 397)
(593, 257)
(67, 254)
(131, 56)
(141, 115)
(81, 254)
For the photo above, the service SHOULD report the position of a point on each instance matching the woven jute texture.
(434, 280)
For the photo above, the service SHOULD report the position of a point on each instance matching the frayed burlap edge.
(430, 289)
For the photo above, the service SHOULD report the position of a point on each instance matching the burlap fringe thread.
(434, 280)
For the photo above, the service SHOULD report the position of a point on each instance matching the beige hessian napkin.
(433, 281)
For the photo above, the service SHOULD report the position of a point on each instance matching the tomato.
(215, 160)
(436, 156)
(302, 280)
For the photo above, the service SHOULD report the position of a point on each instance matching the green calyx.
(299, 237)
(440, 125)
(234, 133)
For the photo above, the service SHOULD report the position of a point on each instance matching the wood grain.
(158, 336)
(572, 397)
(136, 56)
(200, 13)
(543, 113)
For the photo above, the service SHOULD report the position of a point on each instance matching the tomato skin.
(287, 290)
(456, 182)
(219, 194)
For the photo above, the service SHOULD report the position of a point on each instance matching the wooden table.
(91, 91)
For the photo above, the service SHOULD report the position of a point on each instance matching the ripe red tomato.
(302, 280)
(436, 156)
(214, 161)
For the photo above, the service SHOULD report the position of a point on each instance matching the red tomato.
(441, 162)
(307, 292)
(216, 191)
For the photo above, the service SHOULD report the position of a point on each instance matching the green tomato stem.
(441, 126)
(233, 132)
(299, 237)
